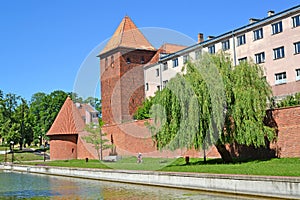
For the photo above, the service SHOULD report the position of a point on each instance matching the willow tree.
(212, 103)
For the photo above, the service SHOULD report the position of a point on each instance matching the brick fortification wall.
(287, 121)
(63, 147)
(133, 137)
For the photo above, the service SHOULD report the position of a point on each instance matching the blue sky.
(44, 44)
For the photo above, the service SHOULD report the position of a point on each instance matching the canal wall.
(278, 187)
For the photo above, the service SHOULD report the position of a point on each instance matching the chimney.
(210, 37)
(270, 13)
(252, 20)
(200, 37)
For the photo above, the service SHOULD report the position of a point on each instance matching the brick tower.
(122, 75)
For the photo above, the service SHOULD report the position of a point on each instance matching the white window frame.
(165, 66)
(185, 58)
(297, 74)
(175, 62)
(297, 47)
(260, 57)
(280, 78)
(157, 72)
(258, 34)
(296, 21)
(277, 28)
(241, 40)
(244, 59)
(278, 53)
(211, 49)
(165, 83)
(147, 86)
(226, 45)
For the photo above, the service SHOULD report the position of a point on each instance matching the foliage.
(290, 100)
(212, 103)
(143, 111)
(96, 137)
(25, 122)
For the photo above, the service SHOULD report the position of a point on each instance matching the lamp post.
(5, 157)
(45, 151)
(12, 150)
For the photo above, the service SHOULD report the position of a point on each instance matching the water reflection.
(33, 186)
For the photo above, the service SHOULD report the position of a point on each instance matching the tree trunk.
(226, 157)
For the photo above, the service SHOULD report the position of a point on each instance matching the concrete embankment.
(280, 187)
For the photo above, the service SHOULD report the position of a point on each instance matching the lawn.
(20, 157)
(273, 167)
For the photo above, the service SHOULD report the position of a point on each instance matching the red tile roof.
(127, 35)
(68, 120)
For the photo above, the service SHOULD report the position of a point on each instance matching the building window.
(142, 60)
(278, 53)
(242, 59)
(112, 61)
(241, 40)
(185, 58)
(212, 49)
(165, 66)
(297, 74)
(165, 83)
(158, 88)
(147, 86)
(297, 47)
(258, 34)
(260, 57)
(225, 45)
(128, 60)
(106, 63)
(175, 62)
(157, 72)
(280, 78)
(296, 21)
(277, 27)
(197, 54)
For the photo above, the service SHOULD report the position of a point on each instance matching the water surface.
(34, 186)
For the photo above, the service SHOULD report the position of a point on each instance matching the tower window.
(106, 63)
(112, 61)
(128, 60)
(142, 59)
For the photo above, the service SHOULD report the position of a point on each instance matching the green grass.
(72, 163)
(20, 157)
(130, 163)
(272, 167)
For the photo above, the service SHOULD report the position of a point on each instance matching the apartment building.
(273, 42)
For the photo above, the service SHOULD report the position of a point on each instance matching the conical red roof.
(68, 120)
(127, 35)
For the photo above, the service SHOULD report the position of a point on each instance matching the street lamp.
(12, 151)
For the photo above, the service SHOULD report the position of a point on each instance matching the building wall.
(289, 63)
(63, 147)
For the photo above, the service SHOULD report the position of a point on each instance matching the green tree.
(96, 137)
(213, 103)
(290, 100)
(44, 108)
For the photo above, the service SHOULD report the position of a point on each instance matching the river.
(15, 185)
